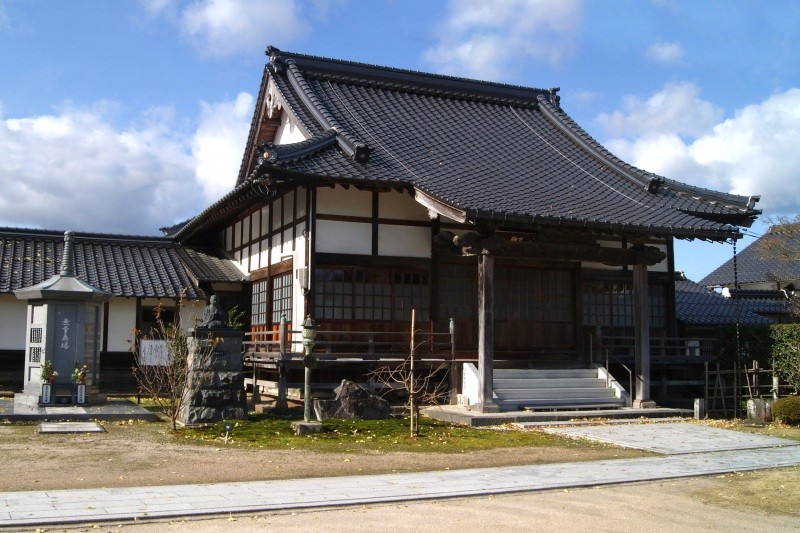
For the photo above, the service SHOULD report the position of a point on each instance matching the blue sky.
(126, 116)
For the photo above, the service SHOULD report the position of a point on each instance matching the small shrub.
(787, 410)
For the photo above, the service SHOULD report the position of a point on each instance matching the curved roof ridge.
(83, 236)
(319, 64)
(351, 145)
(425, 90)
(649, 180)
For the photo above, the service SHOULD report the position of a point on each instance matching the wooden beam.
(486, 335)
(474, 244)
(641, 319)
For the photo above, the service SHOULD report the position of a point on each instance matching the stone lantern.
(63, 328)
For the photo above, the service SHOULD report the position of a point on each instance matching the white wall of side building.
(13, 313)
(121, 322)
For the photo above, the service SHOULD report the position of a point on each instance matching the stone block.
(757, 410)
(352, 401)
(699, 409)
(306, 428)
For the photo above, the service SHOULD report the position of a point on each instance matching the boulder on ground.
(351, 400)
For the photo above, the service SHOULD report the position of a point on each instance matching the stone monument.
(217, 380)
(64, 330)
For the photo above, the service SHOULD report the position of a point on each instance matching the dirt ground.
(141, 454)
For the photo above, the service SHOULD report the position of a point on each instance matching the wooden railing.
(663, 349)
(346, 346)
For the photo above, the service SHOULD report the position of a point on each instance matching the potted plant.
(79, 379)
(48, 376)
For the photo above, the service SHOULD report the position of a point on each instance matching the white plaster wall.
(663, 266)
(406, 241)
(288, 132)
(339, 201)
(400, 206)
(121, 320)
(343, 237)
(13, 315)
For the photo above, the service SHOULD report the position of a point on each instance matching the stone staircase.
(562, 389)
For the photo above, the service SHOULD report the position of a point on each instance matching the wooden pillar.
(486, 334)
(641, 324)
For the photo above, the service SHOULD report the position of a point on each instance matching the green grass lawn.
(269, 431)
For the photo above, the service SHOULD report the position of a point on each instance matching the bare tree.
(782, 240)
(163, 365)
(425, 387)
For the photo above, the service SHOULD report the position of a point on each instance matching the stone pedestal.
(757, 411)
(699, 409)
(216, 382)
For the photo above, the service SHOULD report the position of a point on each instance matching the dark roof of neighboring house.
(123, 265)
(761, 262)
(696, 305)
(484, 151)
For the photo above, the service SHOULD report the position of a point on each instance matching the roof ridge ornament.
(68, 256)
(555, 99)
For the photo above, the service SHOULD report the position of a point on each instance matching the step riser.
(582, 383)
(517, 405)
(501, 373)
(565, 394)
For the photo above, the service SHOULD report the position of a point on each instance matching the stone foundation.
(218, 382)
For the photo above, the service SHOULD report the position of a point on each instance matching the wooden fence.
(727, 390)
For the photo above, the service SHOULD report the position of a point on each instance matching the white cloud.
(75, 169)
(665, 52)
(218, 144)
(220, 28)
(752, 153)
(482, 39)
(676, 109)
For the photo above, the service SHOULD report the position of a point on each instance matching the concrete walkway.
(38, 508)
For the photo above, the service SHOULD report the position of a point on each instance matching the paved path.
(27, 509)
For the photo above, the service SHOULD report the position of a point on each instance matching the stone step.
(535, 383)
(537, 373)
(561, 403)
(550, 392)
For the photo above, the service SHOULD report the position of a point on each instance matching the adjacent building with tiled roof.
(697, 305)
(141, 273)
(764, 275)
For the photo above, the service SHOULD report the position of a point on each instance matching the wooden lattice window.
(529, 294)
(457, 291)
(260, 303)
(347, 293)
(282, 297)
(610, 304)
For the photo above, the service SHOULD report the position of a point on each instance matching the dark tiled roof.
(208, 266)
(492, 151)
(761, 263)
(697, 305)
(123, 265)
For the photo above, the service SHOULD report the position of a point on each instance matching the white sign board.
(154, 353)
